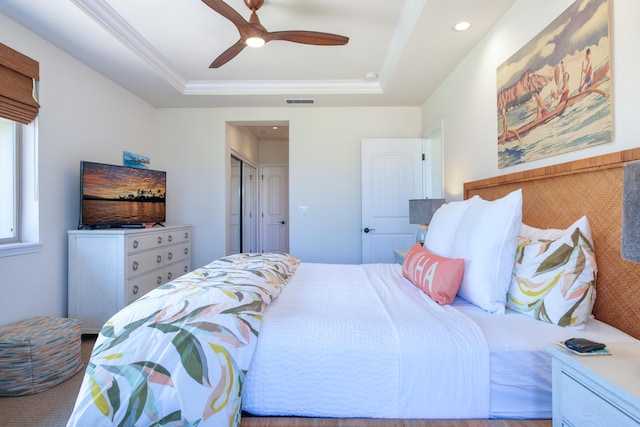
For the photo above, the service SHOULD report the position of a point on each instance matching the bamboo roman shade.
(18, 76)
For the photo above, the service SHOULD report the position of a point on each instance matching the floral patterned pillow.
(554, 277)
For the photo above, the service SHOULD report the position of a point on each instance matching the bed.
(270, 335)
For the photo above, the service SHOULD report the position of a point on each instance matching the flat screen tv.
(119, 196)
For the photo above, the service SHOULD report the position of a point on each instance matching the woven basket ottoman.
(38, 353)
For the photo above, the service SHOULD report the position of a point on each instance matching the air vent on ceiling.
(300, 101)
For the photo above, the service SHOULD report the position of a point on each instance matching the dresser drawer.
(141, 285)
(143, 262)
(176, 236)
(176, 253)
(175, 270)
(582, 407)
(142, 242)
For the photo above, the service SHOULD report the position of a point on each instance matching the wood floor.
(248, 421)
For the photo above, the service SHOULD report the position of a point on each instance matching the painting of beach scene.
(555, 94)
(133, 160)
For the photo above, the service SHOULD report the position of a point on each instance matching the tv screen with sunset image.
(116, 196)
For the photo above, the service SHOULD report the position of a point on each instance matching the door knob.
(282, 222)
(367, 229)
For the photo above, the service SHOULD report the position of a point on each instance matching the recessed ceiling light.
(275, 128)
(462, 26)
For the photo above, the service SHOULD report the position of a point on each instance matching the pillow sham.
(553, 233)
(436, 276)
(444, 224)
(554, 277)
(487, 239)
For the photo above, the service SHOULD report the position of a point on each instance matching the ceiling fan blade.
(228, 54)
(308, 37)
(253, 28)
(227, 11)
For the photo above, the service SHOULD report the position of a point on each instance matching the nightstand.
(596, 390)
(399, 255)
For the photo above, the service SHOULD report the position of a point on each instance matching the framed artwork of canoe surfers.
(555, 93)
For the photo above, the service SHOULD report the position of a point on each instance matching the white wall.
(243, 142)
(273, 152)
(83, 116)
(324, 172)
(466, 101)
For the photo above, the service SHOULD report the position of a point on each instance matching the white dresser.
(596, 390)
(111, 268)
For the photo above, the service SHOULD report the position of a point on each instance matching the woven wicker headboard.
(556, 196)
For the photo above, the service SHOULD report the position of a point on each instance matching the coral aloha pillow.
(437, 276)
(487, 238)
(554, 277)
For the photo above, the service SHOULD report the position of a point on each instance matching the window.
(19, 225)
(19, 207)
(9, 179)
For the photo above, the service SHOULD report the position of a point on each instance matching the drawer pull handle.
(135, 244)
(186, 234)
(170, 238)
(186, 268)
(135, 289)
(169, 276)
(159, 280)
(135, 265)
(186, 251)
(170, 256)
(159, 240)
(159, 259)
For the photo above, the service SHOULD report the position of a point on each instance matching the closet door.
(249, 209)
(235, 205)
(243, 207)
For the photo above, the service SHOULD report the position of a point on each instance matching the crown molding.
(281, 87)
(109, 19)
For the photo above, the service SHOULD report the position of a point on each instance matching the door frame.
(434, 135)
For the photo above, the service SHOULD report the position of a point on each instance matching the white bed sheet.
(304, 366)
(357, 341)
(520, 364)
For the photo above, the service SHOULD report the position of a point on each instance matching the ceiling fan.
(252, 33)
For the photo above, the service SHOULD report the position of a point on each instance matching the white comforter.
(348, 341)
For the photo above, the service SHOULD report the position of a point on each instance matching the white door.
(249, 204)
(234, 205)
(393, 172)
(274, 208)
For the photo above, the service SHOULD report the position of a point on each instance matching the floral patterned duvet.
(178, 355)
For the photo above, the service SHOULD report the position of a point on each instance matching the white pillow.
(444, 225)
(487, 239)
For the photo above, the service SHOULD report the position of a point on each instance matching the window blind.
(18, 81)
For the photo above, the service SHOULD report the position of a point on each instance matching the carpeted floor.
(50, 408)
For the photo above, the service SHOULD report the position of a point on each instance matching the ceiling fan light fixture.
(255, 42)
